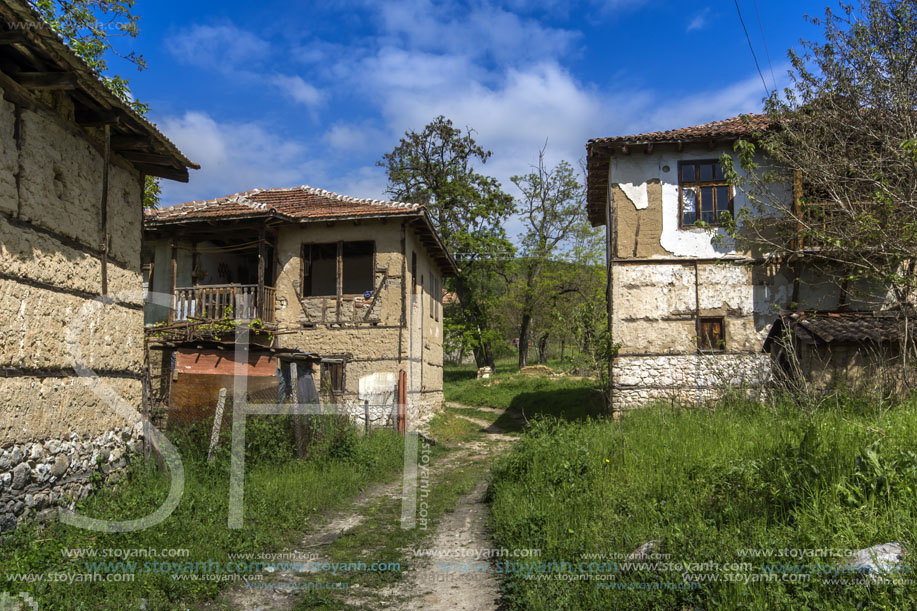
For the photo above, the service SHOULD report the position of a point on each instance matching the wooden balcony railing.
(216, 301)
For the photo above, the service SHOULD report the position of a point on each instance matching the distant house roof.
(838, 327)
(35, 58)
(300, 205)
(600, 150)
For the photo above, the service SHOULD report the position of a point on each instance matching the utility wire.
(764, 40)
(755, 57)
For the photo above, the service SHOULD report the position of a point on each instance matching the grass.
(282, 494)
(708, 485)
(523, 396)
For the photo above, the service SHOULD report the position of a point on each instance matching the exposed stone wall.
(50, 276)
(35, 477)
(691, 378)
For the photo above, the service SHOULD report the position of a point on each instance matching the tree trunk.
(524, 340)
(483, 353)
(543, 349)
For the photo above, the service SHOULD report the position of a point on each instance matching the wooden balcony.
(217, 301)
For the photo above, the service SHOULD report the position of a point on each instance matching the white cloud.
(700, 20)
(353, 136)
(298, 89)
(219, 47)
(233, 157)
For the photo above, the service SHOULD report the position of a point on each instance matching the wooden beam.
(97, 119)
(161, 171)
(105, 239)
(625, 149)
(144, 157)
(649, 149)
(121, 142)
(12, 37)
(46, 80)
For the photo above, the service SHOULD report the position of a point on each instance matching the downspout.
(697, 383)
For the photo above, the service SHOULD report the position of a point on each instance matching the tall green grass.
(708, 484)
(282, 495)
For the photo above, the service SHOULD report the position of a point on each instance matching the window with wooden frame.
(711, 333)
(703, 193)
(347, 266)
(331, 385)
(432, 295)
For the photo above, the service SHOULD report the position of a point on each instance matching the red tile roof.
(735, 127)
(294, 203)
(599, 151)
(298, 205)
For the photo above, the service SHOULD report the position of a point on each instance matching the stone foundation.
(35, 478)
(686, 378)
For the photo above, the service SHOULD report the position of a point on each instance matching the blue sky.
(270, 94)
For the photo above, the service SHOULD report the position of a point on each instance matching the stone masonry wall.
(690, 378)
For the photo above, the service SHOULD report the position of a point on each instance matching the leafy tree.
(436, 167)
(552, 207)
(844, 134)
(90, 28)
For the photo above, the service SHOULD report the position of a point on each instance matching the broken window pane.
(689, 205)
(710, 334)
(357, 268)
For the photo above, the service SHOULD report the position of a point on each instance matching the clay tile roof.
(845, 327)
(599, 151)
(302, 204)
(293, 203)
(735, 127)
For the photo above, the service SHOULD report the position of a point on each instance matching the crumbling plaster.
(632, 177)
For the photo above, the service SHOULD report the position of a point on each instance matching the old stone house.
(73, 157)
(691, 313)
(349, 288)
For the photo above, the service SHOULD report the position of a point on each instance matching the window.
(704, 192)
(321, 263)
(710, 334)
(331, 385)
(413, 273)
(357, 268)
(432, 295)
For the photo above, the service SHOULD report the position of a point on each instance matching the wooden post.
(217, 423)
(298, 432)
(173, 275)
(366, 417)
(340, 278)
(262, 260)
(146, 399)
(104, 238)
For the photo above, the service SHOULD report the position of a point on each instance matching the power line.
(764, 40)
(755, 57)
